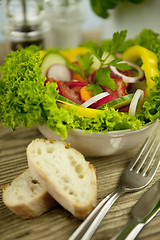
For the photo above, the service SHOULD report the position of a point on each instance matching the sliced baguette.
(26, 197)
(65, 174)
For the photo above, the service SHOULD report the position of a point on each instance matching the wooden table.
(58, 224)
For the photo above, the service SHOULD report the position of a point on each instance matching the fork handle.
(129, 231)
(91, 223)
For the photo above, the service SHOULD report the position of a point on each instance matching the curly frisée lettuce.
(152, 103)
(25, 101)
(21, 89)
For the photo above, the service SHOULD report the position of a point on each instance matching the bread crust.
(25, 211)
(29, 208)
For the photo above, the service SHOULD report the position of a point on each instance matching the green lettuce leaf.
(152, 103)
(21, 89)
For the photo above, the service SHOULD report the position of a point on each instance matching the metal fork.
(136, 176)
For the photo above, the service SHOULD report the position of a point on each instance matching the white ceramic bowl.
(98, 144)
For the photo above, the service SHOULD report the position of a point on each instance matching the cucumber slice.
(50, 59)
(64, 100)
(119, 102)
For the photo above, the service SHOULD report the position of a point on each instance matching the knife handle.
(129, 231)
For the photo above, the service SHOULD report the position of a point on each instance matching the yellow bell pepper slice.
(149, 60)
(85, 112)
(42, 53)
(71, 54)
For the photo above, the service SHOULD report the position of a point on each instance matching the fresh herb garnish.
(83, 66)
(74, 67)
(95, 88)
(119, 64)
(102, 76)
(117, 41)
(85, 62)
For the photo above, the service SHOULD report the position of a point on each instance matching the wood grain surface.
(58, 223)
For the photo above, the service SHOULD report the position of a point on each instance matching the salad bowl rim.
(117, 133)
(114, 134)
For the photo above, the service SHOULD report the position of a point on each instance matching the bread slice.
(65, 174)
(26, 197)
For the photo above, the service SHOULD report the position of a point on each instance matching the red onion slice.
(59, 71)
(94, 99)
(127, 78)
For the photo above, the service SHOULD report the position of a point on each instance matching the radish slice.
(127, 78)
(136, 103)
(94, 99)
(58, 72)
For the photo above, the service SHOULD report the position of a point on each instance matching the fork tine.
(142, 161)
(139, 154)
(148, 164)
(154, 169)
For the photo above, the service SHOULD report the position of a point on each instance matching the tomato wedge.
(66, 92)
(122, 88)
(118, 92)
(75, 83)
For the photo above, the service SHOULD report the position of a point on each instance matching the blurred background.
(84, 19)
(67, 23)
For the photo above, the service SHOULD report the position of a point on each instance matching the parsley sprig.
(102, 75)
(82, 66)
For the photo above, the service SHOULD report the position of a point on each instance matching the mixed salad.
(111, 86)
